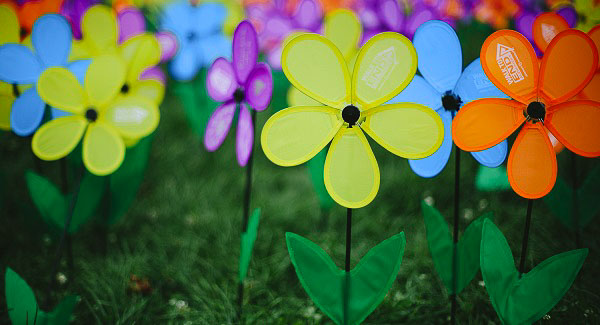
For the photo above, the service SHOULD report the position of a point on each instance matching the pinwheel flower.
(242, 83)
(532, 22)
(445, 87)
(385, 65)
(73, 10)
(541, 93)
(99, 115)
(51, 39)
(199, 32)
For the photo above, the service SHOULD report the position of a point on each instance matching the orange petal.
(545, 27)
(509, 61)
(592, 90)
(567, 66)
(532, 163)
(594, 34)
(484, 123)
(575, 124)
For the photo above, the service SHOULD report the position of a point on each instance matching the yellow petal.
(59, 87)
(104, 79)
(297, 98)
(151, 89)
(384, 66)
(79, 50)
(6, 101)
(296, 134)
(408, 130)
(343, 28)
(315, 66)
(351, 171)
(99, 29)
(57, 138)
(134, 117)
(140, 52)
(103, 149)
(9, 25)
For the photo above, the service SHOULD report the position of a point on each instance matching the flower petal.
(9, 25)
(133, 116)
(79, 69)
(592, 90)
(60, 88)
(474, 84)
(220, 80)
(297, 98)
(407, 130)
(104, 79)
(131, 23)
(57, 138)
(594, 34)
(484, 123)
(6, 102)
(154, 73)
(51, 37)
(245, 50)
(18, 64)
(294, 135)
(351, 171)
(440, 55)
(532, 163)
(343, 28)
(509, 60)
(140, 52)
(316, 67)
(545, 27)
(212, 47)
(168, 45)
(575, 124)
(151, 89)
(434, 164)
(259, 87)
(567, 66)
(308, 14)
(569, 15)
(27, 112)
(103, 149)
(218, 126)
(244, 137)
(99, 28)
(385, 65)
(391, 14)
(176, 17)
(421, 92)
(185, 64)
(493, 156)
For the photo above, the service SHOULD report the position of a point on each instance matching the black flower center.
(350, 114)
(23, 32)
(192, 36)
(15, 90)
(125, 89)
(91, 114)
(239, 95)
(535, 112)
(451, 101)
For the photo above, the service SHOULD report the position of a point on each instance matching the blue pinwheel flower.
(19, 65)
(445, 87)
(199, 32)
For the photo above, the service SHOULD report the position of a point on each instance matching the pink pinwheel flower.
(244, 83)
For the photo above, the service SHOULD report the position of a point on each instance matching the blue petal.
(474, 84)
(419, 91)
(51, 38)
(185, 64)
(177, 18)
(18, 64)
(492, 157)
(213, 47)
(434, 164)
(27, 112)
(56, 113)
(440, 56)
(208, 18)
(79, 68)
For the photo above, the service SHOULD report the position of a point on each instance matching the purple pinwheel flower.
(244, 83)
(73, 10)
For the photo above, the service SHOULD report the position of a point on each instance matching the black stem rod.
(453, 301)
(525, 241)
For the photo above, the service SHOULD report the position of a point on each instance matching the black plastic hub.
(91, 114)
(536, 111)
(350, 114)
(451, 101)
(125, 89)
(239, 95)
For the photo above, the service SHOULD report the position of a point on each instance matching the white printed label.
(130, 115)
(380, 68)
(548, 32)
(509, 63)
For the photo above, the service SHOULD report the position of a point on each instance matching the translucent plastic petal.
(315, 66)
(440, 55)
(259, 87)
(151, 89)
(176, 17)
(308, 14)
(168, 45)
(99, 28)
(343, 28)
(18, 64)
(492, 157)
(103, 149)
(211, 15)
(391, 14)
(185, 64)
(212, 47)
(484, 123)
(220, 80)
(421, 92)
(575, 124)
(133, 116)
(140, 52)
(294, 135)
(569, 14)
(351, 171)
(60, 88)
(104, 79)
(9, 25)
(509, 60)
(79, 69)
(594, 34)
(245, 50)
(567, 66)
(545, 27)
(592, 90)
(244, 136)
(57, 138)
(27, 112)
(434, 164)
(297, 98)
(385, 65)
(6, 102)
(532, 163)
(474, 84)
(51, 39)
(131, 23)
(218, 126)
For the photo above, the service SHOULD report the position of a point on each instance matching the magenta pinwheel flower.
(243, 83)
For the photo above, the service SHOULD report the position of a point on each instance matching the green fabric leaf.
(524, 300)
(560, 202)
(125, 182)
(48, 199)
(90, 194)
(347, 298)
(468, 252)
(62, 313)
(247, 243)
(491, 179)
(20, 300)
(587, 195)
(316, 166)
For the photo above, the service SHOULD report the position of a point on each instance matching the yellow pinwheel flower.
(385, 65)
(102, 117)
(9, 33)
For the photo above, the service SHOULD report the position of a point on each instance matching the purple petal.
(259, 87)
(274, 57)
(308, 14)
(569, 14)
(73, 10)
(131, 22)
(419, 15)
(168, 45)
(220, 80)
(155, 73)
(524, 24)
(218, 126)
(390, 14)
(245, 50)
(244, 136)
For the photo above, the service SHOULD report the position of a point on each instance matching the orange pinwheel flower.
(541, 93)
